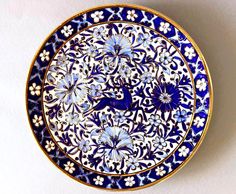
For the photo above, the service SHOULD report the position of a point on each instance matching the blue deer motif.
(121, 104)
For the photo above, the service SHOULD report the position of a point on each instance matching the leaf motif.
(167, 70)
(138, 137)
(100, 42)
(99, 78)
(50, 78)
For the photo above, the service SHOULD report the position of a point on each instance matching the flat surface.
(23, 27)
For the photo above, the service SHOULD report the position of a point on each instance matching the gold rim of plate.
(211, 96)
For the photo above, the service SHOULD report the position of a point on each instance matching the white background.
(24, 24)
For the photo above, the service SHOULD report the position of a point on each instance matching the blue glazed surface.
(184, 105)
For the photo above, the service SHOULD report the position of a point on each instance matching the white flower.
(129, 181)
(146, 77)
(199, 122)
(34, 89)
(44, 55)
(71, 89)
(69, 167)
(74, 119)
(99, 180)
(117, 49)
(49, 146)
(189, 52)
(165, 57)
(119, 117)
(84, 145)
(183, 151)
(164, 27)
(181, 115)
(95, 90)
(201, 84)
(133, 163)
(37, 120)
(97, 16)
(98, 32)
(160, 171)
(62, 60)
(154, 120)
(116, 143)
(125, 71)
(159, 142)
(67, 30)
(131, 15)
(92, 51)
(144, 39)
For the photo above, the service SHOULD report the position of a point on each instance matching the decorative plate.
(119, 97)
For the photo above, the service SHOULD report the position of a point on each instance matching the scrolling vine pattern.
(118, 98)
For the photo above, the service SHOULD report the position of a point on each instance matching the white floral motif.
(181, 115)
(199, 122)
(95, 90)
(154, 120)
(183, 151)
(159, 142)
(92, 51)
(125, 71)
(146, 77)
(119, 117)
(37, 120)
(98, 32)
(99, 180)
(129, 181)
(165, 57)
(117, 143)
(69, 167)
(160, 171)
(131, 15)
(62, 60)
(164, 27)
(74, 119)
(133, 163)
(44, 55)
(34, 89)
(144, 39)
(189, 52)
(97, 16)
(71, 89)
(84, 145)
(67, 30)
(118, 49)
(49, 146)
(201, 84)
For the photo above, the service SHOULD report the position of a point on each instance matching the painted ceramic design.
(119, 97)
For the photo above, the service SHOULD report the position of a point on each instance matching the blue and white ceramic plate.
(119, 97)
